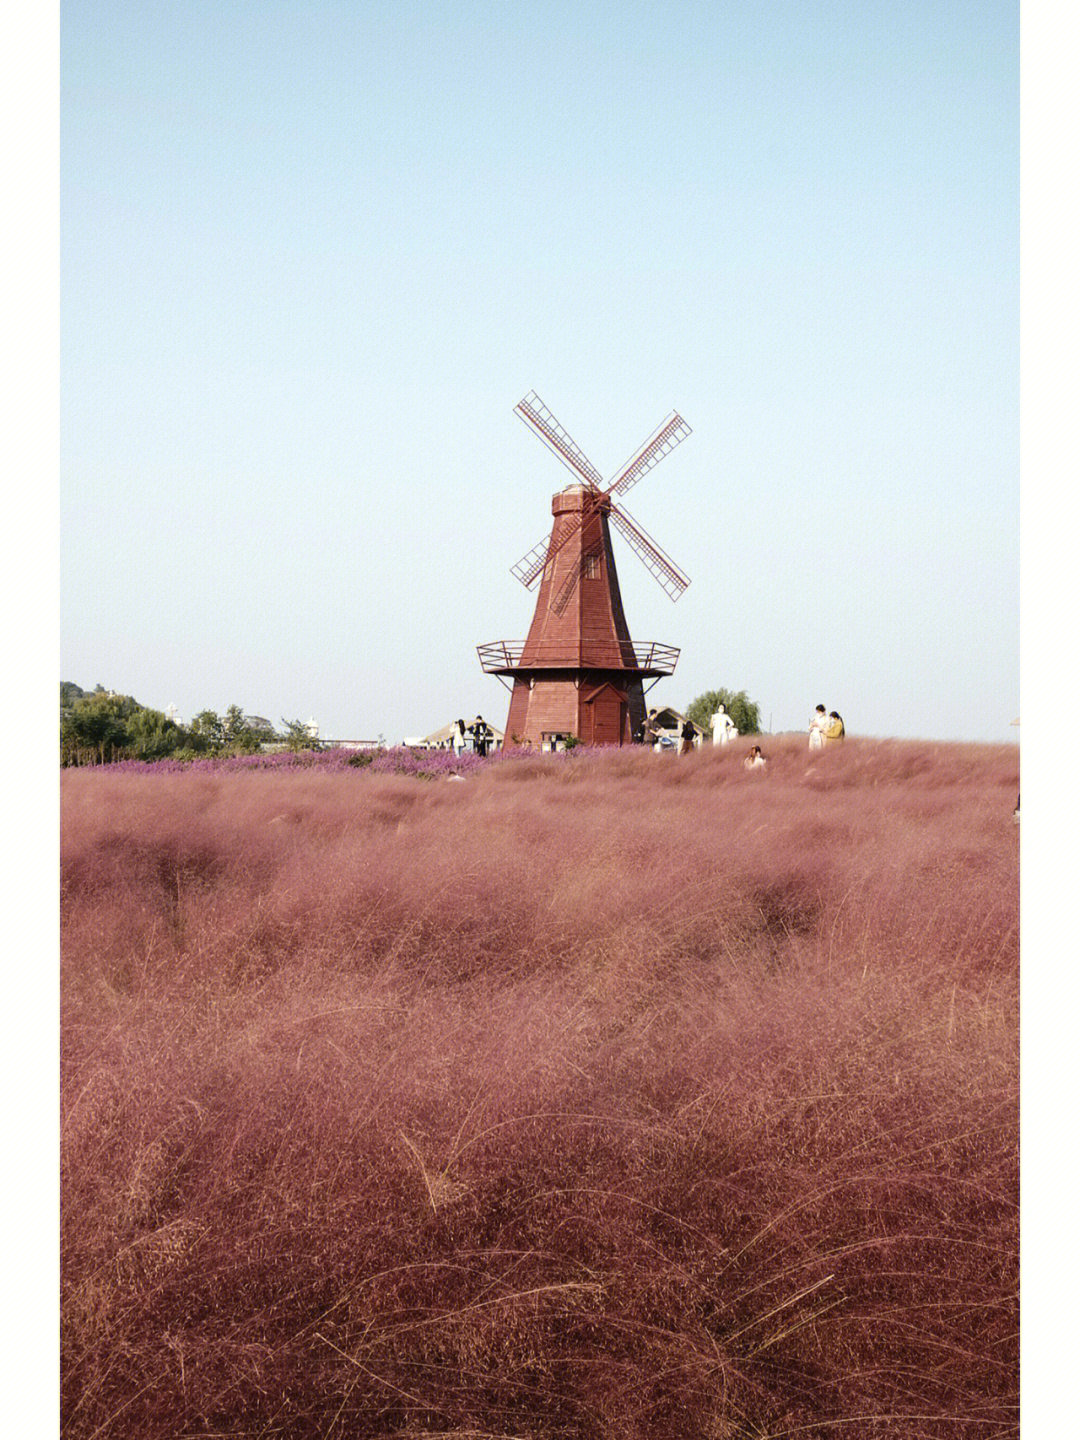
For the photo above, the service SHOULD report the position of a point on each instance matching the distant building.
(669, 724)
(440, 739)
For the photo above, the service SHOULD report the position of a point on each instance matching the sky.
(313, 253)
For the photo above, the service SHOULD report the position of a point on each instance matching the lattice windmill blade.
(540, 420)
(569, 585)
(660, 443)
(670, 578)
(531, 565)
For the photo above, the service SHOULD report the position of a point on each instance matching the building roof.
(668, 718)
(437, 736)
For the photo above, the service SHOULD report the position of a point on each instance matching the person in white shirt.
(723, 726)
(819, 723)
(755, 760)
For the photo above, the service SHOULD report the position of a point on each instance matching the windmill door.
(604, 716)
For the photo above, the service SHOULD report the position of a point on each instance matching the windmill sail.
(671, 579)
(539, 418)
(562, 599)
(660, 443)
(531, 565)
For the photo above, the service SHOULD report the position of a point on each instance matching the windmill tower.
(578, 672)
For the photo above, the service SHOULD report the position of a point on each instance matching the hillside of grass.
(608, 1095)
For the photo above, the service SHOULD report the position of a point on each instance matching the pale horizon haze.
(312, 254)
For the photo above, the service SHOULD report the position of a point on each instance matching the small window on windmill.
(592, 567)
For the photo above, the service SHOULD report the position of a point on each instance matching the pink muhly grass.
(592, 1095)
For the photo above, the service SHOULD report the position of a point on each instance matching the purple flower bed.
(400, 760)
(431, 764)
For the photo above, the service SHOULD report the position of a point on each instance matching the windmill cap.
(576, 497)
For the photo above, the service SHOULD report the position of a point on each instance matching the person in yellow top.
(835, 728)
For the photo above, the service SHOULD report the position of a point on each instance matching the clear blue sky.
(312, 254)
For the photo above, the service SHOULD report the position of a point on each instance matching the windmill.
(578, 672)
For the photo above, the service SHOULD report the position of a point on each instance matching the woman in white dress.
(723, 726)
(819, 723)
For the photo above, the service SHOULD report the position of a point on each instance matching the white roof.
(678, 718)
(444, 733)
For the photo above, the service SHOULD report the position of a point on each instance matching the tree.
(69, 693)
(99, 726)
(737, 703)
(95, 728)
(228, 734)
(208, 730)
(240, 738)
(152, 735)
(298, 736)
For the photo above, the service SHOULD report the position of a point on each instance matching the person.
(723, 726)
(686, 742)
(819, 723)
(835, 729)
(650, 735)
(481, 732)
(755, 760)
(459, 738)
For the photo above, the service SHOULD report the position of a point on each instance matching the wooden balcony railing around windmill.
(648, 658)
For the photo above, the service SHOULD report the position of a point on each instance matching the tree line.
(99, 727)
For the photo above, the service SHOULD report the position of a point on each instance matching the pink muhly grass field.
(604, 1095)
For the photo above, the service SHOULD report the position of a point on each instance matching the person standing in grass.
(819, 723)
(835, 729)
(481, 732)
(723, 726)
(686, 742)
(459, 738)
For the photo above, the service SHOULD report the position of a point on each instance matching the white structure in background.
(311, 728)
(440, 739)
(171, 713)
(669, 723)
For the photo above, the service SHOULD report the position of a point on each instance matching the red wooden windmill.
(579, 673)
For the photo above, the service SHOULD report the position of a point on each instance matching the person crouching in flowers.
(755, 760)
